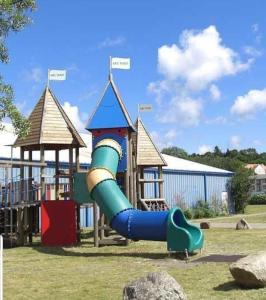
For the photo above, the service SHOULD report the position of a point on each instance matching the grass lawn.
(86, 272)
(250, 209)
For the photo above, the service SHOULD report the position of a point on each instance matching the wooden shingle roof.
(50, 126)
(147, 152)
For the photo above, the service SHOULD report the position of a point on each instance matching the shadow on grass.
(219, 258)
(63, 252)
(227, 286)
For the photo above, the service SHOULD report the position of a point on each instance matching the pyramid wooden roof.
(50, 126)
(147, 152)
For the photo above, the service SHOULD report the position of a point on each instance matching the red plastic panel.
(99, 132)
(58, 223)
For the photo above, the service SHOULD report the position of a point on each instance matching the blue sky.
(201, 64)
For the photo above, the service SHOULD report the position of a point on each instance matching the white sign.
(145, 107)
(1, 267)
(120, 63)
(57, 74)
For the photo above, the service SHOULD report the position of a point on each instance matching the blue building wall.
(179, 186)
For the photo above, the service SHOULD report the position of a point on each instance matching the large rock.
(242, 224)
(205, 225)
(250, 271)
(154, 286)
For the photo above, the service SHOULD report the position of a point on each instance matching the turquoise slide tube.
(170, 226)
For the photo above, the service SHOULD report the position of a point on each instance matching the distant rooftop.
(179, 164)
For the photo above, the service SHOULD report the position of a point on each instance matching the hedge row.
(258, 199)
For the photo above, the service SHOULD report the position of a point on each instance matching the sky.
(201, 64)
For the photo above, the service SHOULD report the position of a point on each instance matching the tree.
(175, 151)
(13, 18)
(217, 151)
(240, 185)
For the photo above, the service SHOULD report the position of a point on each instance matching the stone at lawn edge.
(250, 271)
(157, 285)
(205, 225)
(242, 224)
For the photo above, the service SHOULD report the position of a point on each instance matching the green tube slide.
(135, 224)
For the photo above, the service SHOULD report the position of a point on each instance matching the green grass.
(86, 272)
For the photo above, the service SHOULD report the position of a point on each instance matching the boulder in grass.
(242, 224)
(250, 271)
(155, 286)
(205, 225)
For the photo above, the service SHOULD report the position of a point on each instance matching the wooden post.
(30, 210)
(101, 225)
(130, 171)
(142, 192)
(78, 205)
(77, 159)
(20, 226)
(71, 172)
(160, 171)
(95, 224)
(22, 177)
(57, 174)
(127, 171)
(42, 174)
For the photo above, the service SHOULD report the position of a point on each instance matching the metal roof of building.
(179, 164)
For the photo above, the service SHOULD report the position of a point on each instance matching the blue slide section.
(141, 225)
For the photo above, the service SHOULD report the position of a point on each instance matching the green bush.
(202, 209)
(258, 199)
(188, 213)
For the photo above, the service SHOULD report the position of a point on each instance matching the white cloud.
(216, 120)
(164, 139)
(249, 104)
(257, 142)
(200, 59)
(255, 27)
(215, 92)
(251, 51)
(111, 42)
(72, 112)
(204, 149)
(256, 31)
(185, 111)
(235, 141)
(34, 74)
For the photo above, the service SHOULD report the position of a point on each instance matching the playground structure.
(22, 196)
(24, 202)
(121, 153)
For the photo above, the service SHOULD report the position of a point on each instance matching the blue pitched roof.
(110, 111)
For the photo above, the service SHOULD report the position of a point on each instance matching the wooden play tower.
(51, 130)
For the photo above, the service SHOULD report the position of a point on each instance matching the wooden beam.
(71, 171)
(150, 180)
(95, 225)
(56, 172)
(77, 159)
(19, 163)
(160, 171)
(42, 173)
